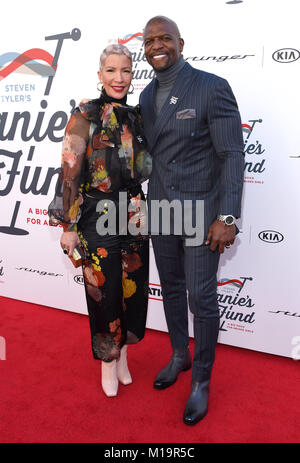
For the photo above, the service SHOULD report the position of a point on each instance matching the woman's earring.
(99, 89)
(130, 90)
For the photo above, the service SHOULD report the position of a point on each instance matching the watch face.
(229, 220)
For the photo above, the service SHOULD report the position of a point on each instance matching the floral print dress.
(104, 161)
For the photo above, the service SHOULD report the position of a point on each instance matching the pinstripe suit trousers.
(194, 269)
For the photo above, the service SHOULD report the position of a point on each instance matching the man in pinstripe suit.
(193, 128)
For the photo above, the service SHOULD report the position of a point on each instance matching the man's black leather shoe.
(197, 404)
(180, 361)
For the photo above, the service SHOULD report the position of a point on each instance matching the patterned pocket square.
(186, 114)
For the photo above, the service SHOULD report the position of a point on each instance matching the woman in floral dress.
(100, 204)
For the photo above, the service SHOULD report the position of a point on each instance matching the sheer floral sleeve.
(65, 209)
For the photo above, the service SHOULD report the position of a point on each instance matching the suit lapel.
(172, 102)
(149, 110)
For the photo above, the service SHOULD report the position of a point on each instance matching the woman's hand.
(68, 241)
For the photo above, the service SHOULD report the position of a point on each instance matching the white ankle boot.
(123, 372)
(109, 378)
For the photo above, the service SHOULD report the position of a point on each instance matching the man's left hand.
(220, 236)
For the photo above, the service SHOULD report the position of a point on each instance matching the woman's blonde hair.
(114, 49)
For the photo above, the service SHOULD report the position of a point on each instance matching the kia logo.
(270, 236)
(286, 55)
(79, 279)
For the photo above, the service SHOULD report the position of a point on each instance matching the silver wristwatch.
(227, 219)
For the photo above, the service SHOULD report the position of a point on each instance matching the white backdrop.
(255, 45)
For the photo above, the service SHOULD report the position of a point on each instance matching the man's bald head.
(163, 19)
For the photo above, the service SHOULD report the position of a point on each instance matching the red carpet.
(50, 389)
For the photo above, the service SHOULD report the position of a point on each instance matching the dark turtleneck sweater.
(166, 80)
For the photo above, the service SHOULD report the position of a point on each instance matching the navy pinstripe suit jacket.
(196, 143)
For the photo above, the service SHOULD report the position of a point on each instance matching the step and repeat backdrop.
(49, 55)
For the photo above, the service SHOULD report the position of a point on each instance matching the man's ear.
(181, 44)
